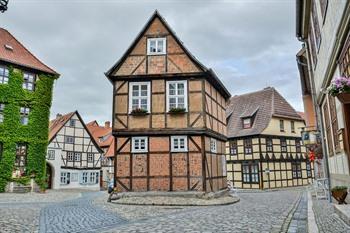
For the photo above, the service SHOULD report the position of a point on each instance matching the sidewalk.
(327, 220)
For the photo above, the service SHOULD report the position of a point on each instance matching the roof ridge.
(24, 47)
(253, 92)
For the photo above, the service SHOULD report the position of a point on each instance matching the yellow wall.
(274, 127)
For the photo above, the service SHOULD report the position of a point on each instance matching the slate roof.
(261, 106)
(98, 131)
(12, 51)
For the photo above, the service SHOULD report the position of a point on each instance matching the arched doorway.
(49, 176)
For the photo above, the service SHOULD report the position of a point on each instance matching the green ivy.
(35, 134)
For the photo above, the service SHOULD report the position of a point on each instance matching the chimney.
(107, 124)
(58, 115)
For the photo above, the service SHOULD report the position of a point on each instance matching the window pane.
(160, 46)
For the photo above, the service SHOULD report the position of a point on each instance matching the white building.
(73, 156)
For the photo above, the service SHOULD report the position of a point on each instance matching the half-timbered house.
(168, 116)
(264, 148)
(103, 136)
(73, 156)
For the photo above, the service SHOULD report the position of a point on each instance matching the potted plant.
(340, 87)
(177, 110)
(339, 193)
(139, 112)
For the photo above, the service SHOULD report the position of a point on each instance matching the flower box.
(139, 112)
(344, 98)
(340, 193)
(177, 110)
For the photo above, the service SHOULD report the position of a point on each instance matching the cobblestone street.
(89, 212)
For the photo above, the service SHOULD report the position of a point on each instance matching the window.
(233, 147)
(4, 75)
(247, 123)
(296, 170)
(2, 107)
(344, 59)
(74, 177)
(179, 143)
(139, 96)
(248, 146)
(84, 178)
(72, 122)
(269, 145)
(283, 145)
(51, 155)
(139, 144)
(65, 178)
(70, 156)
(21, 157)
(316, 25)
(250, 172)
(308, 169)
(28, 81)
(90, 157)
(94, 177)
(213, 145)
(69, 139)
(176, 95)
(282, 125)
(24, 112)
(77, 156)
(156, 46)
(297, 146)
(292, 126)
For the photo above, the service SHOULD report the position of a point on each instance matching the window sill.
(179, 151)
(139, 114)
(139, 152)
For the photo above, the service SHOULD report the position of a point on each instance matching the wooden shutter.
(328, 128)
(334, 121)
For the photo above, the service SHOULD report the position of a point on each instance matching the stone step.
(22, 189)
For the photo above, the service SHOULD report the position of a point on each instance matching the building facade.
(25, 99)
(323, 27)
(73, 156)
(168, 116)
(104, 138)
(264, 148)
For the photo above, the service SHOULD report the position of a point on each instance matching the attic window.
(247, 123)
(8, 47)
(156, 46)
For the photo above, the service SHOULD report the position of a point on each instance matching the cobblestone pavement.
(256, 212)
(327, 220)
(78, 215)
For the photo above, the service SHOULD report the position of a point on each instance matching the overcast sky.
(249, 44)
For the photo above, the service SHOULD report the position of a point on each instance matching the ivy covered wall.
(35, 134)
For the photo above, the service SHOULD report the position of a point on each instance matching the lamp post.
(3, 5)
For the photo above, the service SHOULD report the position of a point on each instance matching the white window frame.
(173, 149)
(77, 156)
(247, 123)
(72, 122)
(4, 75)
(29, 80)
(84, 178)
(176, 96)
(93, 177)
(51, 154)
(131, 84)
(65, 178)
(24, 113)
(69, 141)
(2, 112)
(213, 145)
(157, 39)
(134, 139)
(90, 157)
(70, 156)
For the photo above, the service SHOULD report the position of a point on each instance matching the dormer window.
(247, 123)
(156, 46)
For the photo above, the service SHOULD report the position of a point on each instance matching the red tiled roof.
(12, 51)
(101, 131)
(302, 115)
(57, 124)
(261, 106)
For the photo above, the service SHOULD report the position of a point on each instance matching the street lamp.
(3, 5)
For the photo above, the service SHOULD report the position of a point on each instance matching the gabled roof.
(101, 131)
(264, 105)
(211, 75)
(57, 124)
(12, 51)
